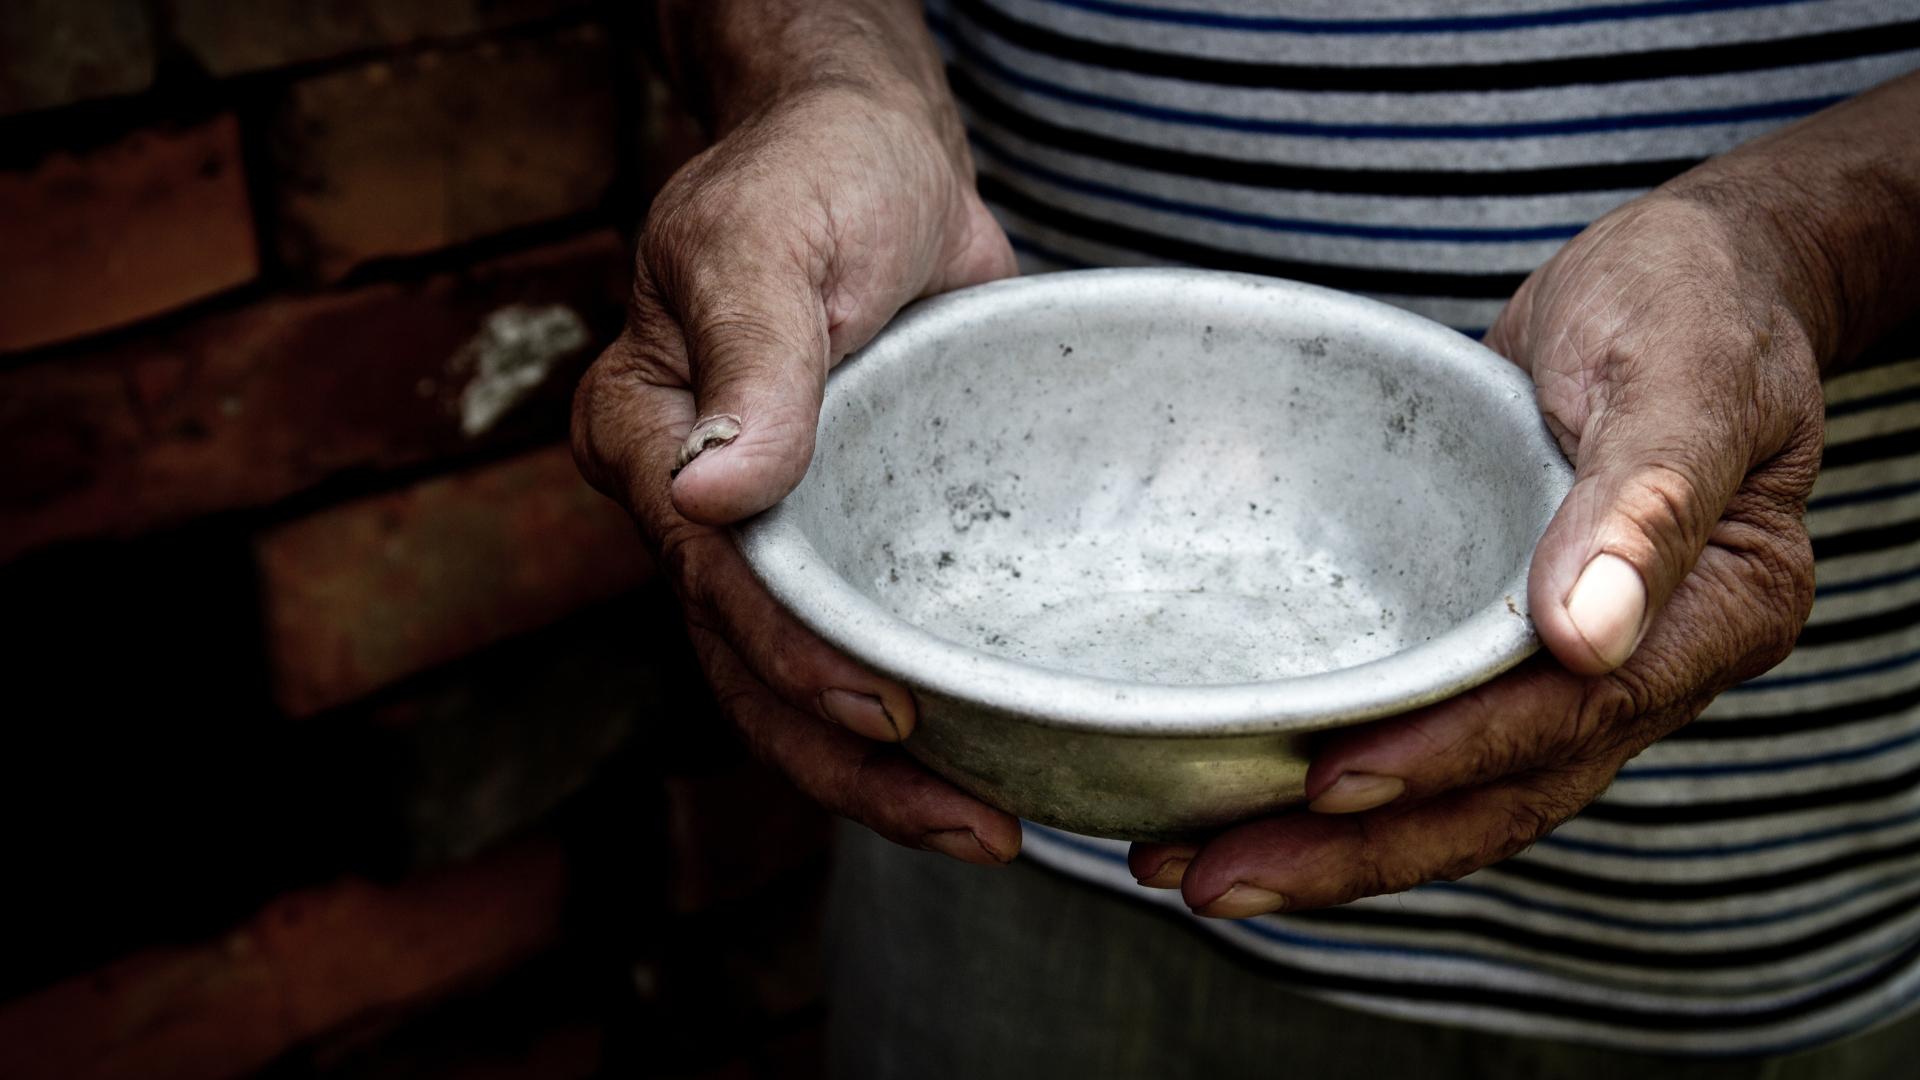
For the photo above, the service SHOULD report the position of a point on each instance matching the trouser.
(937, 969)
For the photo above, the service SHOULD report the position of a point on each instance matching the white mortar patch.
(514, 352)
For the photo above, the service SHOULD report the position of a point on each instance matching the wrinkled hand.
(1680, 382)
(763, 262)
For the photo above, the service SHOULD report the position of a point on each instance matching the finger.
(631, 412)
(877, 786)
(1507, 335)
(720, 594)
(746, 296)
(629, 417)
(1302, 861)
(1534, 715)
(1733, 618)
(861, 301)
(767, 308)
(983, 255)
(1657, 463)
(1160, 866)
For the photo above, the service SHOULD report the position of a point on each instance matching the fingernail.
(1607, 606)
(1243, 901)
(1357, 791)
(1169, 874)
(963, 845)
(861, 713)
(717, 430)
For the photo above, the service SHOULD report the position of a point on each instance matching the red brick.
(732, 833)
(306, 964)
(229, 38)
(242, 408)
(147, 223)
(56, 52)
(410, 155)
(360, 595)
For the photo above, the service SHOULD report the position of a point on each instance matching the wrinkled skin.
(1669, 364)
(1686, 394)
(764, 261)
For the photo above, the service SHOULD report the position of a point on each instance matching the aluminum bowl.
(1131, 535)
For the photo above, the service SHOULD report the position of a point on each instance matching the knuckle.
(1799, 458)
(700, 618)
(610, 422)
(1786, 574)
(1537, 809)
(683, 217)
(1784, 482)
(1610, 707)
(1764, 575)
(1543, 724)
(668, 243)
(1779, 573)
(785, 669)
(1370, 874)
(585, 435)
(856, 787)
(656, 347)
(1631, 707)
(600, 432)
(1666, 514)
(698, 559)
(733, 697)
(686, 550)
(1781, 482)
(736, 703)
(1520, 824)
(1496, 753)
(1468, 740)
(713, 220)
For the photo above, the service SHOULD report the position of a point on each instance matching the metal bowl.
(1130, 535)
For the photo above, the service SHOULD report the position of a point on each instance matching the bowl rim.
(1485, 644)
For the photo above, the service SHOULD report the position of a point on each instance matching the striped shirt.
(1749, 885)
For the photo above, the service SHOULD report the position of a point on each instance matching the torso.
(1751, 884)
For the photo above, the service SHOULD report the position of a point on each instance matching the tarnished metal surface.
(1130, 533)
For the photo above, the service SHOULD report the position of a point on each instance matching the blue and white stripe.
(1752, 884)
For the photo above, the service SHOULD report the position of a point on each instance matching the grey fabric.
(942, 970)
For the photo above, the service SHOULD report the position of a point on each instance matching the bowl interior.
(1227, 482)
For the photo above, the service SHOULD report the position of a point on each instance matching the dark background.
(346, 733)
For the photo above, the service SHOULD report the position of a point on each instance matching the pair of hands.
(1671, 363)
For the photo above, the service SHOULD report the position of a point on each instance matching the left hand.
(1672, 366)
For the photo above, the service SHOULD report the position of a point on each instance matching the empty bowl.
(1131, 535)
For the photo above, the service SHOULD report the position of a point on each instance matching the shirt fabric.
(1750, 884)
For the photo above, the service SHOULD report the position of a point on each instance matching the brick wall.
(349, 735)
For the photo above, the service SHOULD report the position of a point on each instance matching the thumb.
(757, 355)
(761, 335)
(1652, 478)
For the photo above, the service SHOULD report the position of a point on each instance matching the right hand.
(765, 260)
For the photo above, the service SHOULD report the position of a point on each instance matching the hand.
(764, 261)
(1681, 381)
